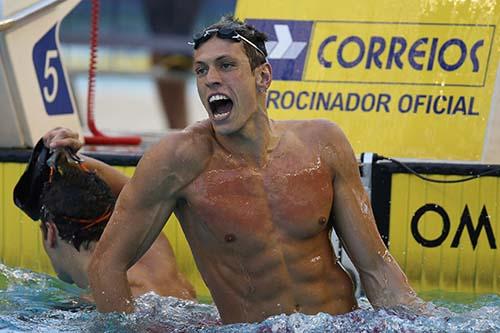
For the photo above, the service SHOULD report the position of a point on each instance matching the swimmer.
(74, 199)
(256, 198)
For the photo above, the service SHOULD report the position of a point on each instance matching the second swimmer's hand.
(60, 137)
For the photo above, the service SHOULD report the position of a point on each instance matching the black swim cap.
(28, 190)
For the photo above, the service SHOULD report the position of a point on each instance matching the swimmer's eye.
(200, 71)
(227, 65)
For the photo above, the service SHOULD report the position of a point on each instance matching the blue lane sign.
(50, 74)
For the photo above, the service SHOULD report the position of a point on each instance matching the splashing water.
(31, 302)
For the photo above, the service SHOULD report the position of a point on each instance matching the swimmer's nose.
(213, 78)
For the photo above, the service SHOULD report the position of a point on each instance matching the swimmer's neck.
(253, 142)
(79, 265)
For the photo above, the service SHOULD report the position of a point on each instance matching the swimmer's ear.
(52, 234)
(263, 77)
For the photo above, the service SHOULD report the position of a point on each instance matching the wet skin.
(155, 271)
(256, 200)
(267, 230)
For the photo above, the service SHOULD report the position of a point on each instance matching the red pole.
(98, 138)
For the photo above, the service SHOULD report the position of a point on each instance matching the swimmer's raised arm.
(383, 280)
(142, 210)
(60, 137)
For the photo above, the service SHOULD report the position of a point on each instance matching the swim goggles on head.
(223, 33)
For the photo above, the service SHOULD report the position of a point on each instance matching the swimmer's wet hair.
(249, 32)
(76, 195)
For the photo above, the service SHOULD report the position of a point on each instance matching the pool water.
(31, 302)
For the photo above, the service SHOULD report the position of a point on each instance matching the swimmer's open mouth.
(221, 106)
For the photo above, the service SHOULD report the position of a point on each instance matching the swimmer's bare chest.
(288, 198)
(260, 236)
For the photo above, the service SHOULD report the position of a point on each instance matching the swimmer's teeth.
(214, 101)
(219, 116)
(217, 98)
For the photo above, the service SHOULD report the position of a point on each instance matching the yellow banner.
(402, 78)
(446, 236)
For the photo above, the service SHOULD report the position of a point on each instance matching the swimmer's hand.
(60, 137)
(87, 297)
(423, 308)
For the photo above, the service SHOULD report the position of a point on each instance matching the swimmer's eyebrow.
(218, 59)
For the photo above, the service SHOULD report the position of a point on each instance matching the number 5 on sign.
(50, 72)
(50, 75)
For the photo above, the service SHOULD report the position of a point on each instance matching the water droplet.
(230, 238)
(315, 259)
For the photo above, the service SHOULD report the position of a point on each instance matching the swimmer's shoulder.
(197, 141)
(319, 130)
(188, 149)
(201, 130)
(325, 137)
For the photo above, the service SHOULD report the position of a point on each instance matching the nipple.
(322, 220)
